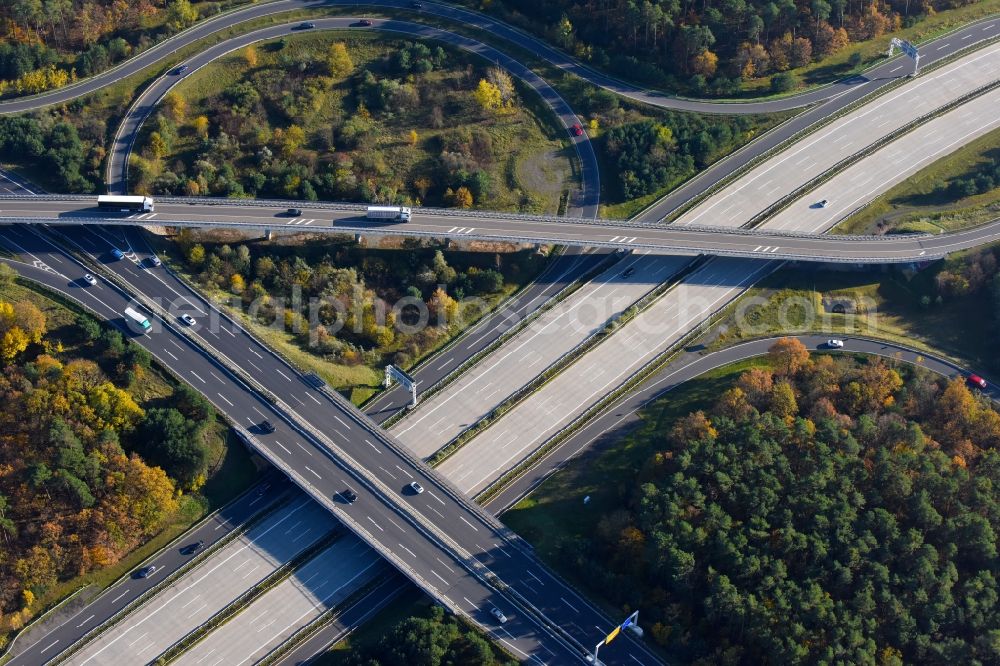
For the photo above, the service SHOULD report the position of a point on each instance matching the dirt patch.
(545, 173)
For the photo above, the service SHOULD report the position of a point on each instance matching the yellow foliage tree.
(250, 55)
(237, 284)
(175, 105)
(488, 96)
(14, 342)
(463, 197)
(114, 407)
(196, 255)
(442, 306)
(157, 146)
(339, 60)
(414, 137)
(705, 63)
(291, 139)
(30, 319)
(200, 125)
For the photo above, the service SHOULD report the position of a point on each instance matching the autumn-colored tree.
(413, 137)
(488, 96)
(692, 427)
(175, 105)
(237, 284)
(196, 255)
(756, 384)
(734, 404)
(788, 356)
(180, 14)
(200, 125)
(705, 63)
(782, 400)
(442, 306)
(502, 81)
(13, 342)
(801, 52)
(30, 319)
(338, 60)
(752, 60)
(463, 197)
(158, 147)
(291, 139)
(250, 56)
(829, 40)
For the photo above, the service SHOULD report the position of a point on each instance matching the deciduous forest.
(711, 47)
(95, 450)
(825, 509)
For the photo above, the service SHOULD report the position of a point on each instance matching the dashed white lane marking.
(255, 353)
(439, 576)
(444, 565)
(313, 472)
(284, 448)
(226, 399)
(171, 355)
(377, 450)
(375, 524)
(340, 421)
(387, 471)
(199, 378)
(278, 370)
(57, 640)
(462, 518)
(575, 609)
(314, 399)
(942, 46)
(408, 550)
(535, 577)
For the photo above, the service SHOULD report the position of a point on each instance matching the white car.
(834, 344)
(416, 487)
(155, 260)
(498, 614)
(187, 319)
(89, 279)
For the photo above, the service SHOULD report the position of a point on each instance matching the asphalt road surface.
(379, 512)
(196, 597)
(674, 239)
(556, 332)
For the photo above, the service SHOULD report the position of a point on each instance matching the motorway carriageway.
(552, 596)
(674, 239)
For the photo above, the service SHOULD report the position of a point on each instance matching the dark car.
(180, 70)
(294, 212)
(145, 572)
(192, 548)
(978, 381)
(365, 23)
(267, 426)
(628, 272)
(308, 25)
(349, 496)
(576, 130)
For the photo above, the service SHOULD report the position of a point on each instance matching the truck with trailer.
(125, 204)
(137, 322)
(395, 213)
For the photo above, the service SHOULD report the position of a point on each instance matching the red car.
(977, 381)
(576, 130)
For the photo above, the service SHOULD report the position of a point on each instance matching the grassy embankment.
(231, 470)
(923, 201)
(899, 306)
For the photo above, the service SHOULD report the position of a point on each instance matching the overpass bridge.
(267, 216)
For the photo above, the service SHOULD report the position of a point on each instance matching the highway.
(505, 558)
(194, 599)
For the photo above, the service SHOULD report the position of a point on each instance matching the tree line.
(825, 509)
(710, 47)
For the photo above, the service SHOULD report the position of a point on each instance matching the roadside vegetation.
(350, 117)
(423, 636)
(49, 43)
(950, 307)
(101, 454)
(958, 191)
(814, 507)
(736, 48)
(344, 310)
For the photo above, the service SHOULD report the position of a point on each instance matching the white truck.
(131, 204)
(137, 322)
(397, 213)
